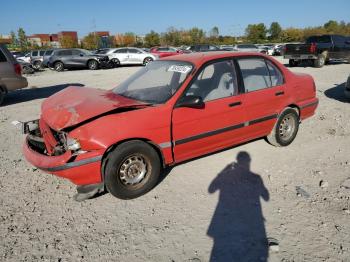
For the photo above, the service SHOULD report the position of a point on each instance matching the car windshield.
(155, 83)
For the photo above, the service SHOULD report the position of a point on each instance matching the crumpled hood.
(74, 105)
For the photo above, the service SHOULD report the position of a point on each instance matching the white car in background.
(247, 48)
(26, 58)
(129, 56)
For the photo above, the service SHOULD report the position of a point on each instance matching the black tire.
(138, 158)
(116, 62)
(293, 63)
(37, 65)
(147, 60)
(2, 96)
(58, 66)
(92, 64)
(320, 61)
(285, 129)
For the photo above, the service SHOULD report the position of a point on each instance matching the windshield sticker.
(180, 69)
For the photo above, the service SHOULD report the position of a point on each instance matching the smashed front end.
(57, 153)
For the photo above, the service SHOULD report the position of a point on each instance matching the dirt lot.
(299, 198)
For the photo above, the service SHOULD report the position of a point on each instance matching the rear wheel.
(320, 61)
(58, 66)
(285, 129)
(132, 169)
(37, 65)
(92, 65)
(147, 60)
(2, 95)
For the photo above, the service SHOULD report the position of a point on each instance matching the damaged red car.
(172, 110)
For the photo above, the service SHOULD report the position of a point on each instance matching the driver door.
(219, 123)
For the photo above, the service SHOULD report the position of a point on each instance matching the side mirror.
(81, 54)
(190, 101)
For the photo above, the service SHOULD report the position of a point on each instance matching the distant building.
(105, 40)
(72, 34)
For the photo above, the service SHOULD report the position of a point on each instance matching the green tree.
(214, 32)
(22, 39)
(331, 26)
(129, 39)
(256, 32)
(14, 42)
(275, 30)
(90, 41)
(171, 37)
(292, 35)
(152, 39)
(196, 35)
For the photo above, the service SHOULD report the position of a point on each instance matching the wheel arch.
(112, 147)
(3, 88)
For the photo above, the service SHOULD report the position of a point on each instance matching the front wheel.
(132, 169)
(37, 65)
(285, 129)
(147, 60)
(92, 65)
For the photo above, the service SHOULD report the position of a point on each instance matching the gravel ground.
(298, 197)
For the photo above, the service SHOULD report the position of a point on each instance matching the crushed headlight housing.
(72, 144)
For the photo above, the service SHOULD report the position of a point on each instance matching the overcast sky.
(38, 16)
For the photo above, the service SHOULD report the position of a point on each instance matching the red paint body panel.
(81, 175)
(162, 54)
(179, 133)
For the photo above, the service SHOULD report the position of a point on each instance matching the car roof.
(202, 57)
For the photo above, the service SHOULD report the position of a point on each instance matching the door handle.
(279, 93)
(235, 104)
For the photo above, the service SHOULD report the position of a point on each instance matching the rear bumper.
(308, 108)
(14, 83)
(82, 169)
(300, 57)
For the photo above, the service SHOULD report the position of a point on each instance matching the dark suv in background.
(76, 58)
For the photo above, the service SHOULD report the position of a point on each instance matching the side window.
(35, 53)
(76, 52)
(255, 74)
(41, 53)
(121, 51)
(339, 40)
(65, 53)
(275, 74)
(133, 51)
(217, 80)
(2, 57)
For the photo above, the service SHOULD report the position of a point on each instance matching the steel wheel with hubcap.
(285, 129)
(131, 169)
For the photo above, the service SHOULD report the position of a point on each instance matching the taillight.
(313, 48)
(18, 69)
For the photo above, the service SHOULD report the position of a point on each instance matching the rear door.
(220, 123)
(135, 56)
(264, 95)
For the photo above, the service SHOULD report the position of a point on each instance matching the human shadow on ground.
(29, 94)
(337, 92)
(237, 226)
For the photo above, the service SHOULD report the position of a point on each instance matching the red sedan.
(170, 111)
(165, 51)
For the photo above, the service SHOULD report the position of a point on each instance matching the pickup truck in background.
(318, 50)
